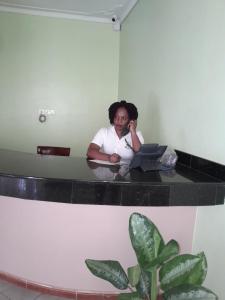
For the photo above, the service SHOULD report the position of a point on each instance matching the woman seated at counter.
(121, 140)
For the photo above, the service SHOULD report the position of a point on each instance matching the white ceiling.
(89, 10)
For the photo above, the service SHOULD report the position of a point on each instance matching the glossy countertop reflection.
(20, 164)
(74, 179)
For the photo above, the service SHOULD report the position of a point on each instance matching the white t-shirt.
(109, 142)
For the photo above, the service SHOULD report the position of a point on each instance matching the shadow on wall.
(159, 123)
(151, 117)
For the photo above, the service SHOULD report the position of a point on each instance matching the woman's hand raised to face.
(132, 126)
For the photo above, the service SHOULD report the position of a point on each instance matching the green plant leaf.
(204, 267)
(134, 275)
(145, 238)
(168, 251)
(109, 270)
(189, 292)
(183, 269)
(129, 296)
(144, 285)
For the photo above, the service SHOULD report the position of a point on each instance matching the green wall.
(209, 237)
(172, 64)
(66, 65)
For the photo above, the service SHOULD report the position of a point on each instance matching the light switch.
(44, 111)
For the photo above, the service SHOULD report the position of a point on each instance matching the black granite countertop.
(77, 180)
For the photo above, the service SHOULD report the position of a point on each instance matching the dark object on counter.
(50, 150)
(148, 158)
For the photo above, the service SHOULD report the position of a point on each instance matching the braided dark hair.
(130, 108)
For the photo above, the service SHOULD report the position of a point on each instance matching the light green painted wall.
(172, 64)
(66, 65)
(209, 236)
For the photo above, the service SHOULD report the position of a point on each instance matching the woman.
(120, 140)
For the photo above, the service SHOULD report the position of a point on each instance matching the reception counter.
(79, 181)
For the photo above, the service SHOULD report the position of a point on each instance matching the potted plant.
(159, 268)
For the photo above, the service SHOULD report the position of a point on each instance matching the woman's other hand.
(114, 158)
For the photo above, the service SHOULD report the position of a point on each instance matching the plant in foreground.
(180, 277)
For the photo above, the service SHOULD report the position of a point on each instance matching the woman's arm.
(136, 144)
(95, 153)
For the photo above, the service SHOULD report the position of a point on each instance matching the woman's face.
(121, 119)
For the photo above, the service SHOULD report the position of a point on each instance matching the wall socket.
(46, 112)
